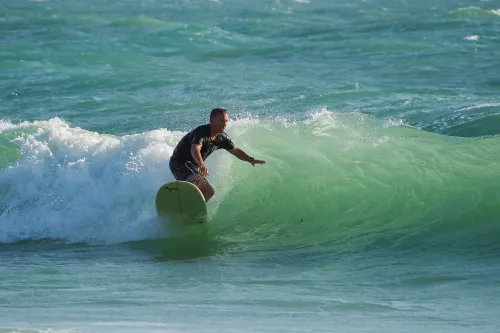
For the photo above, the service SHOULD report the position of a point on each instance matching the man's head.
(218, 120)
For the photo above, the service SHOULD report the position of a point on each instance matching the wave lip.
(476, 11)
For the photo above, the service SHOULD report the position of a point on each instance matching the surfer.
(187, 162)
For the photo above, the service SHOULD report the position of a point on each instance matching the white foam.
(5, 125)
(470, 8)
(479, 106)
(82, 186)
(473, 37)
(475, 9)
(394, 123)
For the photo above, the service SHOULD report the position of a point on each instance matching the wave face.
(345, 181)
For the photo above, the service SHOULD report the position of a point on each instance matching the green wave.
(347, 183)
(354, 182)
(9, 152)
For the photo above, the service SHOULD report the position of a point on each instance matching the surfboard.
(181, 202)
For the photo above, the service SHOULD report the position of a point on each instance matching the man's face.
(219, 122)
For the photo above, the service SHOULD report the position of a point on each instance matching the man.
(188, 159)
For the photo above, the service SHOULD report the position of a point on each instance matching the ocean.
(378, 208)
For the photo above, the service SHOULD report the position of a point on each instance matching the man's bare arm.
(196, 153)
(245, 157)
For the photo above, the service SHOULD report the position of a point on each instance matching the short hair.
(217, 111)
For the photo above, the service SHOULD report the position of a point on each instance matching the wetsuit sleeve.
(198, 136)
(226, 143)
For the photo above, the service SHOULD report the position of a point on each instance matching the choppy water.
(378, 209)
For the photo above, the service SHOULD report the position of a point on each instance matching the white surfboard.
(181, 202)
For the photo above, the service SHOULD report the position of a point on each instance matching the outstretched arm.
(245, 157)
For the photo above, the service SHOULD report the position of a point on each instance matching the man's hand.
(254, 161)
(244, 156)
(203, 170)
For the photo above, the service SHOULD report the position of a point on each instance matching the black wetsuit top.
(201, 136)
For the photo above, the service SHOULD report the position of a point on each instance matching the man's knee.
(209, 191)
(206, 189)
(196, 179)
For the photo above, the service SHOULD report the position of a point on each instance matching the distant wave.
(473, 10)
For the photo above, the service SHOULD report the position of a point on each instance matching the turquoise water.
(378, 209)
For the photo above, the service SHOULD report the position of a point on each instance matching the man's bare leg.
(203, 185)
